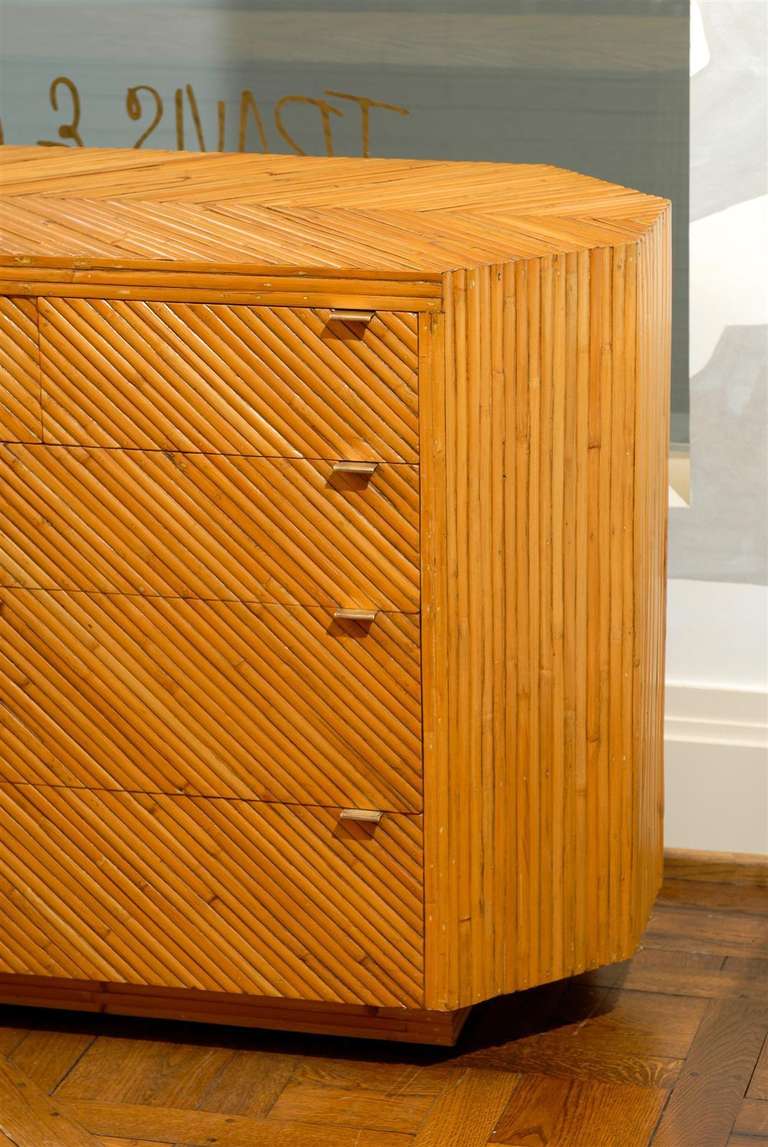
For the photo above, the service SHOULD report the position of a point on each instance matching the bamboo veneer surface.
(371, 215)
(288, 531)
(279, 382)
(242, 395)
(20, 413)
(668, 1049)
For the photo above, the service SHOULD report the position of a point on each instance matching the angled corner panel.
(542, 626)
(650, 537)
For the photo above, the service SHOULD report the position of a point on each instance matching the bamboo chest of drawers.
(332, 535)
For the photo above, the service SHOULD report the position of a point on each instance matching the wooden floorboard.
(758, 1086)
(468, 1110)
(668, 1049)
(30, 1118)
(753, 1118)
(716, 1074)
(579, 1113)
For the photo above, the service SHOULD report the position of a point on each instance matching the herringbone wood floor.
(668, 1049)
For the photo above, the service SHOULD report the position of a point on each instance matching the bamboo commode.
(333, 527)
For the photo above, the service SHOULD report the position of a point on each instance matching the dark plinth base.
(358, 1020)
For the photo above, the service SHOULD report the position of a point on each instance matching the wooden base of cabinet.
(360, 1021)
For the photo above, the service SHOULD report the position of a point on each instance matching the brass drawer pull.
(366, 469)
(365, 815)
(364, 615)
(339, 316)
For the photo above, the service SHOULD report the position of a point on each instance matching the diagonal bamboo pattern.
(219, 895)
(401, 216)
(233, 380)
(20, 412)
(211, 698)
(225, 528)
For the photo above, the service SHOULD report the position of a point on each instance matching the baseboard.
(718, 867)
(712, 715)
(716, 749)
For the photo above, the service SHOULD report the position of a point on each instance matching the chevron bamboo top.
(79, 207)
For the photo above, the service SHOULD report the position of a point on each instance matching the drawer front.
(273, 381)
(230, 896)
(205, 526)
(20, 415)
(212, 698)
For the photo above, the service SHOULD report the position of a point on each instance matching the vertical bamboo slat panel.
(543, 617)
(652, 436)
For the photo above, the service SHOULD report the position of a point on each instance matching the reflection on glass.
(600, 86)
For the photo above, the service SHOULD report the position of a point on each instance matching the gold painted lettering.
(365, 104)
(326, 111)
(66, 130)
(196, 118)
(221, 121)
(248, 104)
(133, 107)
(178, 102)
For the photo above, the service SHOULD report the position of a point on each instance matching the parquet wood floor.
(669, 1049)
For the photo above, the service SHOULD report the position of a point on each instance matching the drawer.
(212, 698)
(208, 526)
(231, 896)
(20, 416)
(274, 381)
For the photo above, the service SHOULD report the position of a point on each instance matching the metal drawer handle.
(366, 469)
(350, 316)
(365, 615)
(365, 815)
